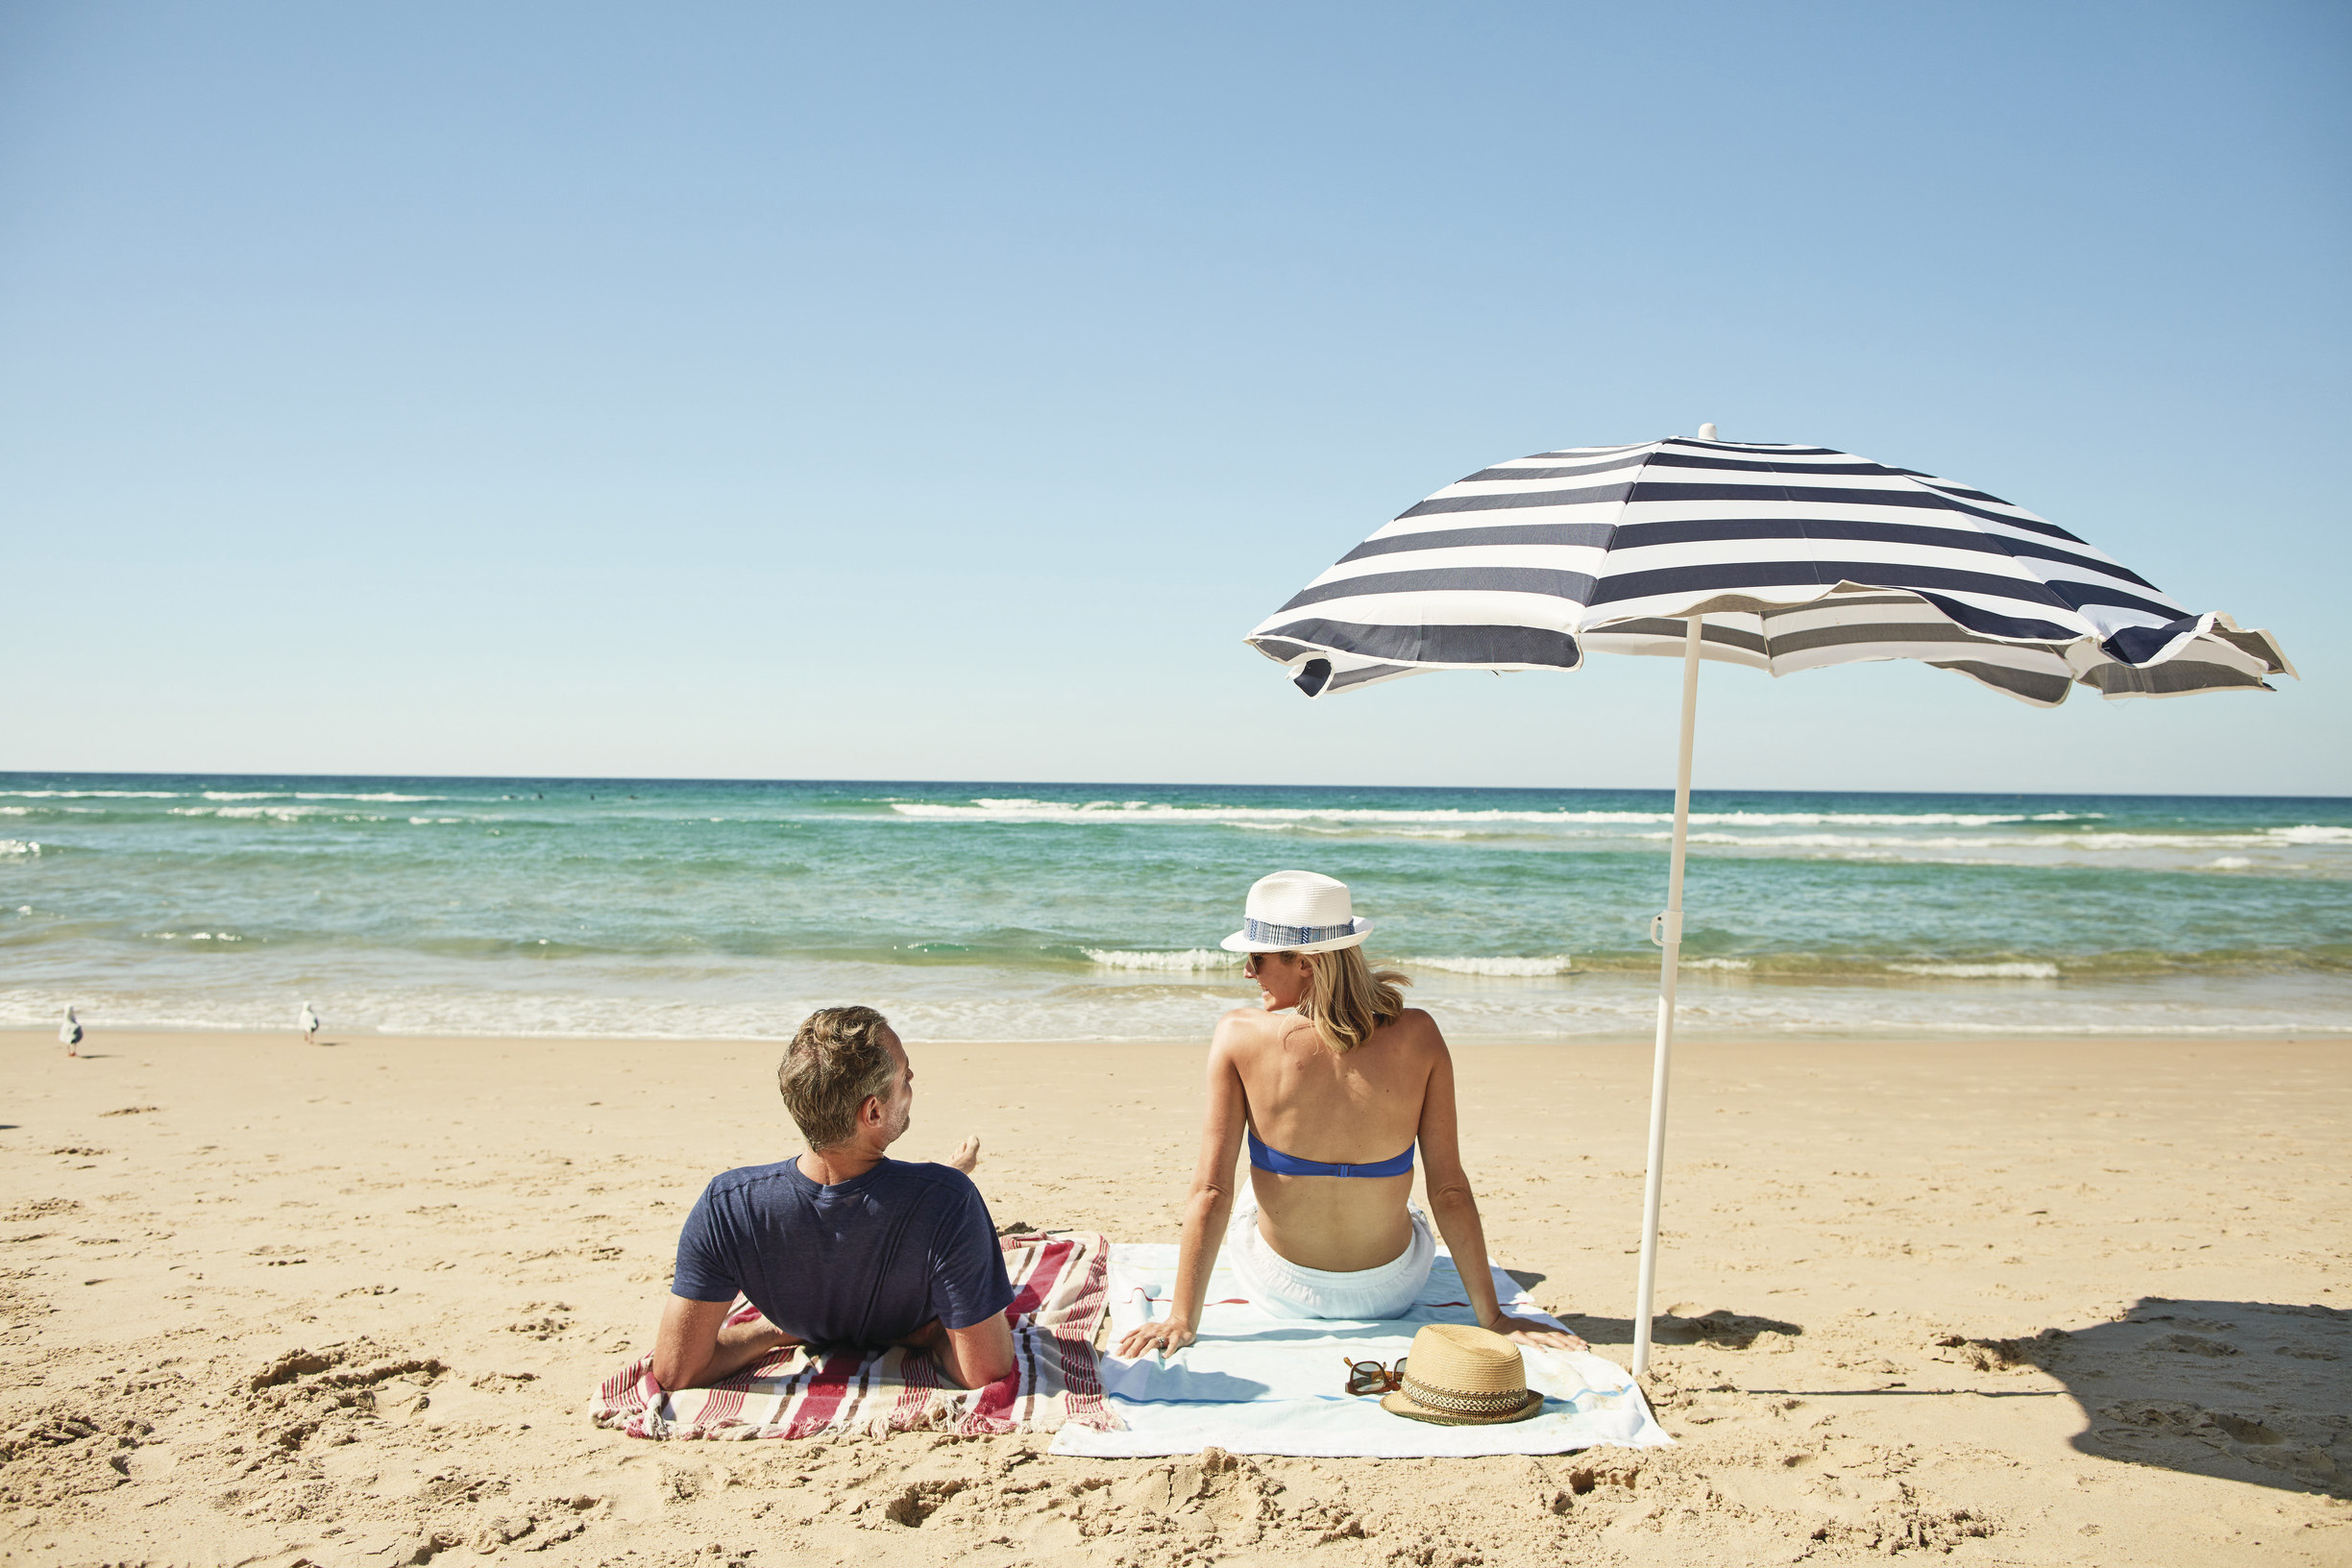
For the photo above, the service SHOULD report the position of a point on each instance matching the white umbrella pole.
(1667, 932)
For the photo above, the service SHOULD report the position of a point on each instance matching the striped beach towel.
(1058, 1299)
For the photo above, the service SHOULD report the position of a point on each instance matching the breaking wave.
(1513, 968)
(1024, 809)
(1191, 961)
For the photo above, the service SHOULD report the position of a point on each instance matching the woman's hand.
(1526, 1331)
(1166, 1335)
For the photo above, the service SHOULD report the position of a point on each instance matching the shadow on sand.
(2244, 1390)
(1721, 1328)
(2247, 1391)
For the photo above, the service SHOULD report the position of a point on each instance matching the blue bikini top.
(1290, 1164)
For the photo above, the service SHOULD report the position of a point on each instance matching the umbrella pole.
(1667, 932)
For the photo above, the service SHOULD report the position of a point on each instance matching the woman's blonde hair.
(1347, 998)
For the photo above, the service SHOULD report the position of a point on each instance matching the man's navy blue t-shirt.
(865, 1262)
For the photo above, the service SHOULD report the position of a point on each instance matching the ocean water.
(980, 911)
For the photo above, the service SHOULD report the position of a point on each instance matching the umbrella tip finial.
(1707, 432)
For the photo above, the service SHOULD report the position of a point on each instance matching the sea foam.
(1191, 961)
(1022, 809)
(1512, 968)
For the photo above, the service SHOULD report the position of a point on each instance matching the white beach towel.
(1254, 1384)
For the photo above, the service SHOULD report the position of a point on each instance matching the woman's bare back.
(1357, 1109)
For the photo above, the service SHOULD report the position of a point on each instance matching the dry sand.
(2052, 1302)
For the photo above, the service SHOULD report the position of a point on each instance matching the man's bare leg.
(966, 1155)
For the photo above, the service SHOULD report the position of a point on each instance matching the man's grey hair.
(833, 1065)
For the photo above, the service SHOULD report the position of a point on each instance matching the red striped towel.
(1058, 1299)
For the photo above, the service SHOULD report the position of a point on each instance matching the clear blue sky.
(941, 392)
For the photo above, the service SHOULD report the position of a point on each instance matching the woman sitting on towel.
(1331, 1086)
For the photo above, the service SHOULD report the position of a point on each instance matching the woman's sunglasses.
(1374, 1376)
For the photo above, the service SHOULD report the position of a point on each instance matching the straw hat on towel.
(1460, 1376)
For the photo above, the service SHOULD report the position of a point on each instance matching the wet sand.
(2039, 1302)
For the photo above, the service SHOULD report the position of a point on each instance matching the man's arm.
(696, 1345)
(972, 1357)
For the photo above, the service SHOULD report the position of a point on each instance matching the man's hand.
(1526, 1331)
(966, 1155)
(1166, 1337)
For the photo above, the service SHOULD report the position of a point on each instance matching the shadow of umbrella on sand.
(2246, 1391)
(2249, 1391)
(1777, 557)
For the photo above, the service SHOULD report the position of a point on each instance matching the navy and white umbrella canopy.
(1780, 557)
(1799, 557)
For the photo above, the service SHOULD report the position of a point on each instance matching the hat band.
(1292, 936)
(1448, 1400)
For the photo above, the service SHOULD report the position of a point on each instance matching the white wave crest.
(93, 795)
(18, 847)
(275, 813)
(2274, 838)
(1191, 961)
(1020, 809)
(302, 794)
(312, 794)
(1717, 964)
(2230, 862)
(1521, 968)
(1979, 972)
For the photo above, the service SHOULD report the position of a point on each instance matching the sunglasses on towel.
(1374, 1376)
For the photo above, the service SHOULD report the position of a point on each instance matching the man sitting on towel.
(843, 1248)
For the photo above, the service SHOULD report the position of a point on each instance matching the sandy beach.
(2021, 1302)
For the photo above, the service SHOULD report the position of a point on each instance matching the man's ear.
(870, 1111)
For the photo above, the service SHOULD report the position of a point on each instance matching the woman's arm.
(1455, 1208)
(1207, 1206)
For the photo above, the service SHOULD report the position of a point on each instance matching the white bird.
(310, 1026)
(69, 1034)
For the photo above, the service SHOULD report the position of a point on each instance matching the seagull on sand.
(69, 1034)
(310, 1026)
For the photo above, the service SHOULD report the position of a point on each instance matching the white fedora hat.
(1297, 912)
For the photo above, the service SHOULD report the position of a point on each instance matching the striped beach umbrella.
(1777, 556)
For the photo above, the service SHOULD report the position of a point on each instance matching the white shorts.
(1283, 1288)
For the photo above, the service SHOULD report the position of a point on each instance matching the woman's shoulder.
(1414, 1027)
(1243, 1024)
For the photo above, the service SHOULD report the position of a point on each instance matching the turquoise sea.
(668, 908)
